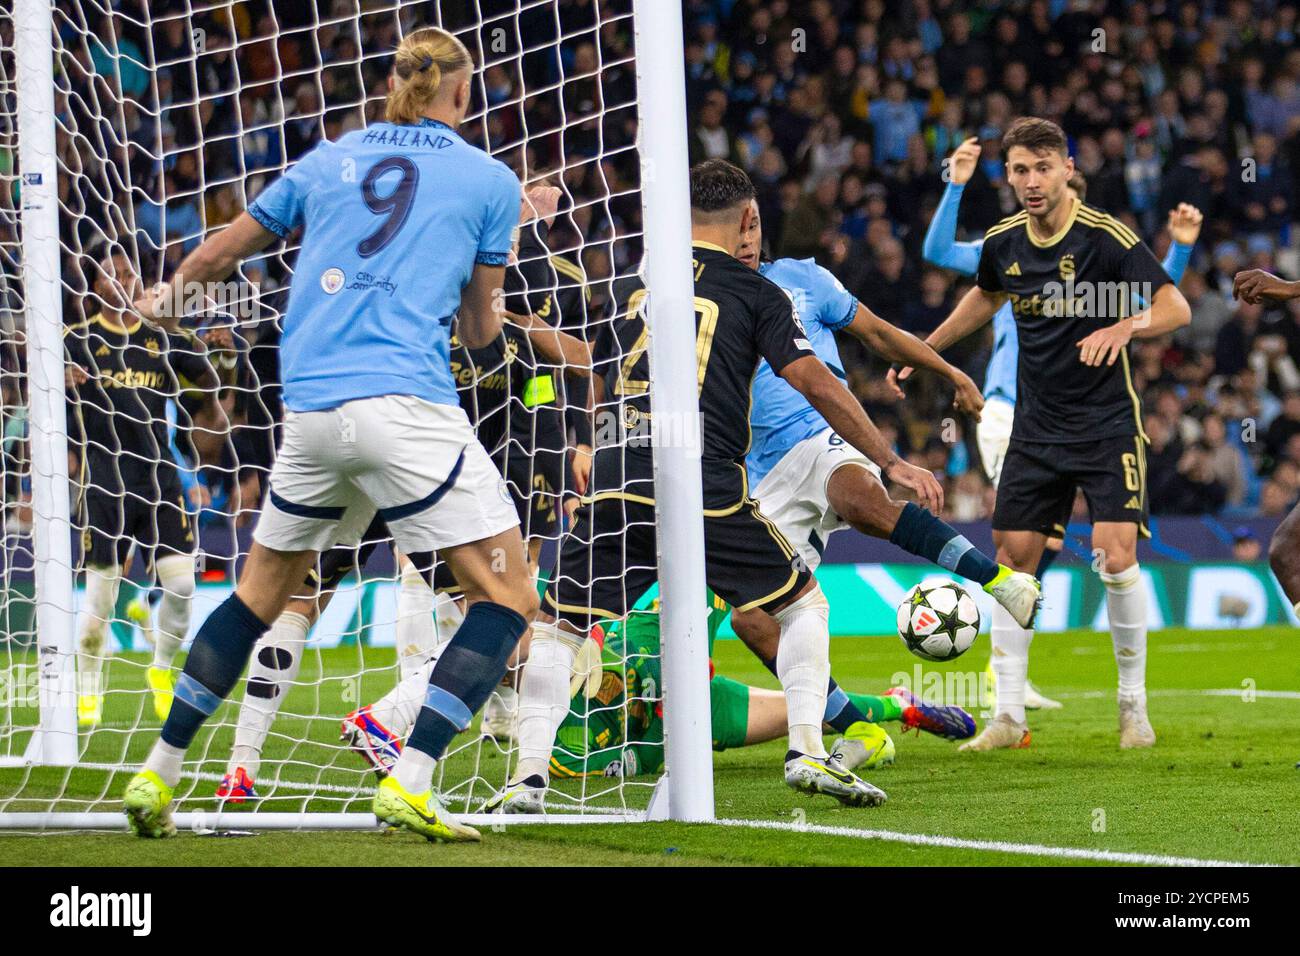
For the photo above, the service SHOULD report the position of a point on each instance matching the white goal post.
(305, 788)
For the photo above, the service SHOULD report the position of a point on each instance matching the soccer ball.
(938, 622)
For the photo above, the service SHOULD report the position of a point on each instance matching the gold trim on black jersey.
(701, 244)
(1097, 219)
(573, 270)
(1132, 393)
(1075, 206)
(1009, 223)
(117, 330)
(578, 609)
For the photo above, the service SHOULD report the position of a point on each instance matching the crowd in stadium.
(842, 112)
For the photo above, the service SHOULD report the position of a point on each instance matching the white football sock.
(414, 770)
(165, 761)
(447, 615)
(1010, 662)
(803, 666)
(96, 613)
(176, 577)
(397, 709)
(1126, 607)
(543, 697)
(417, 637)
(277, 656)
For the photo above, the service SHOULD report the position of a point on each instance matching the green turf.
(1220, 784)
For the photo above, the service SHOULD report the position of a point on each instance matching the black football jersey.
(1090, 275)
(740, 317)
(120, 414)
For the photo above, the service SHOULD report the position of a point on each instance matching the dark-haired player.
(121, 373)
(993, 433)
(1071, 274)
(610, 558)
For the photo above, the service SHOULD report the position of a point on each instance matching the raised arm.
(941, 246)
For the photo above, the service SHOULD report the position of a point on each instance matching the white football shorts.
(419, 464)
(793, 493)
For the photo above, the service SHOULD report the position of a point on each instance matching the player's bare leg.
(1126, 607)
(1021, 551)
(859, 497)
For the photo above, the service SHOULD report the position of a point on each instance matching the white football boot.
(1018, 592)
(1000, 733)
(827, 775)
(522, 796)
(1135, 729)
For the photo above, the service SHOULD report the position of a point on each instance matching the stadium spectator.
(842, 112)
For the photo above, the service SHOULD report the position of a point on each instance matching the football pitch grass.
(1220, 785)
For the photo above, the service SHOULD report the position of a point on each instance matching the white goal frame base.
(207, 823)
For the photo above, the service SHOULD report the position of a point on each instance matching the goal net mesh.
(170, 118)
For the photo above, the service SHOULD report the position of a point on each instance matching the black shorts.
(1036, 490)
(536, 484)
(609, 560)
(157, 521)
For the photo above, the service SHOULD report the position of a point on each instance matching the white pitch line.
(988, 846)
(1201, 692)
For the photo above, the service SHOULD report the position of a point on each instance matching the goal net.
(168, 120)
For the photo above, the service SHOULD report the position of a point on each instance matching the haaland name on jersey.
(780, 417)
(389, 211)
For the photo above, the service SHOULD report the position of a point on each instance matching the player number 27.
(706, 315)
(396, 205)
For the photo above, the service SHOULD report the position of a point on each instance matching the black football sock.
(920, 533)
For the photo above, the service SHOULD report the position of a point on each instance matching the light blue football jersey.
(395, 218)
(780, 417)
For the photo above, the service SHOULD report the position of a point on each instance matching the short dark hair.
(1036, 135)
(717, 186)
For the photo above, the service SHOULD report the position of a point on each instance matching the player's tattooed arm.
(1256, 285)
(214, 259)
(896, 345)
(974, 311)
(811, 378)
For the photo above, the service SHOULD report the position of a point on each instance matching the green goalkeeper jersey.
(619, 731)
